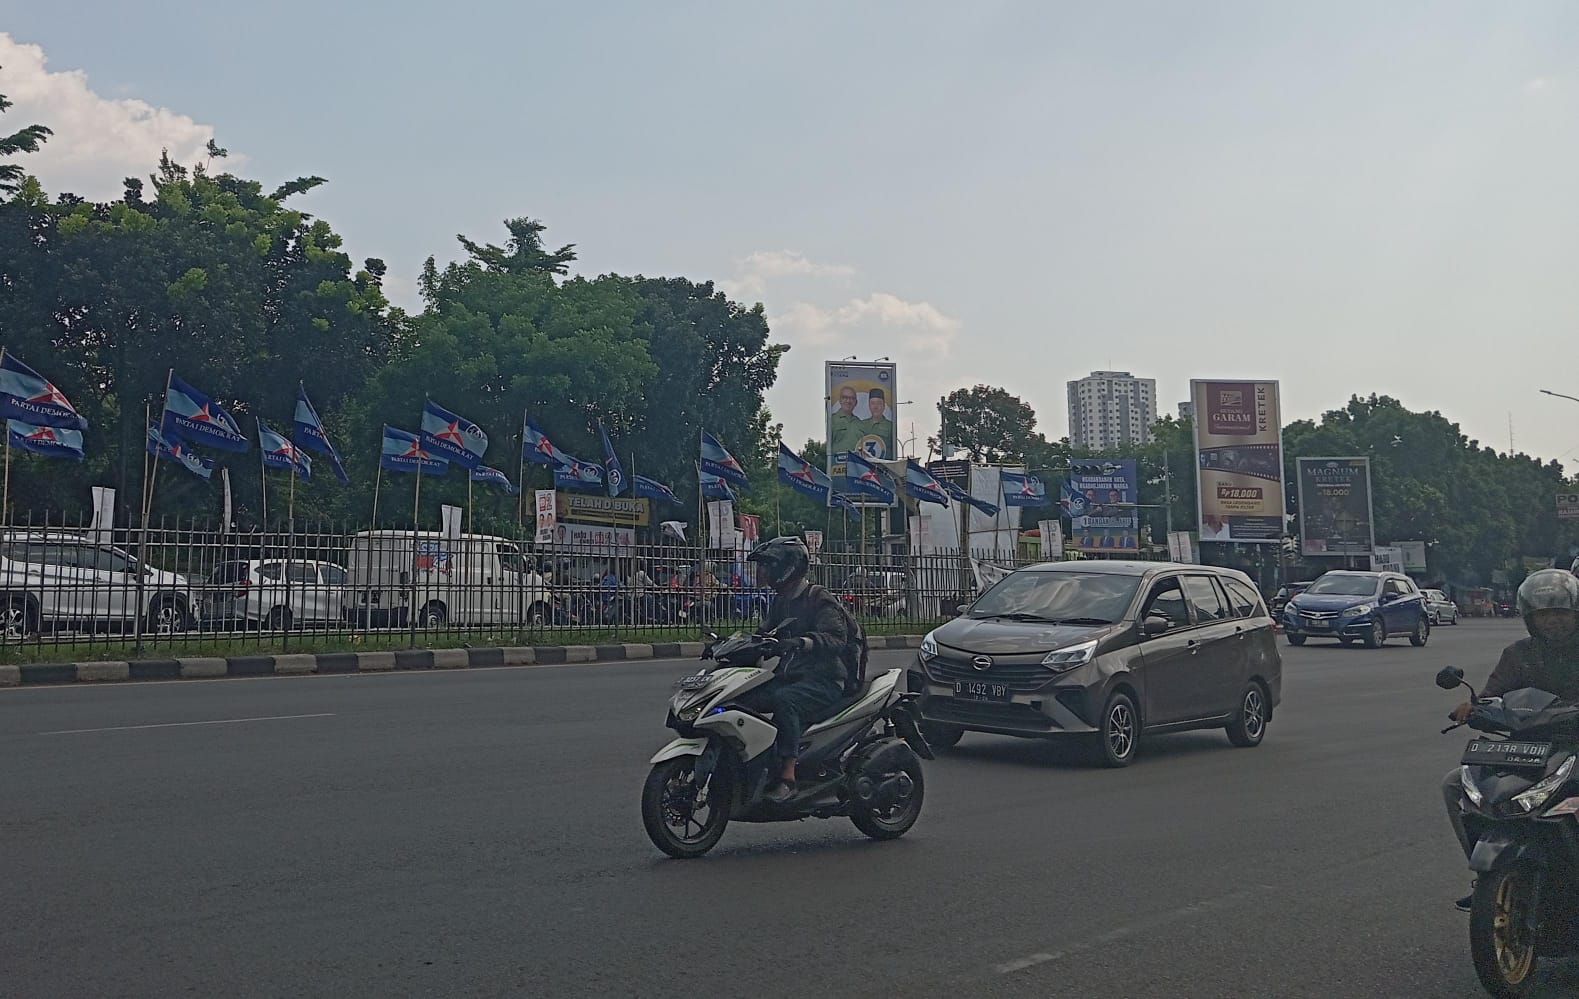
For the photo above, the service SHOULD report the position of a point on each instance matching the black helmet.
(783, 562)
(1547, 589)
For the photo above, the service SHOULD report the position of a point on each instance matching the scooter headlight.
(1538, 795)
(1467, 781)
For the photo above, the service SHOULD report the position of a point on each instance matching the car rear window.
(230, 573)
(1205, 599)
(1245, 601)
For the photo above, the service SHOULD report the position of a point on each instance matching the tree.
(28, 140)
(989, 424)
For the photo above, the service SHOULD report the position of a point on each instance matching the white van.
(474, 579)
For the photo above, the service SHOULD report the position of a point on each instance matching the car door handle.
(1194, 646)
(1239, 633)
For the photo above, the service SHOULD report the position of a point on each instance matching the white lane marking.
(221, 721)
(1114, 936)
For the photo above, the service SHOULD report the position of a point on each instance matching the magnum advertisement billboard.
(860, 408)
(1239, 444)
(1335, 506)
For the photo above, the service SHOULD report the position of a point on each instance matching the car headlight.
(929, 645)
(1360, 611)
(1537, 796)
(1067, 659)
(1467, 782)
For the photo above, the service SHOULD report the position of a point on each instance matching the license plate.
(1318, 625)
(696, 681)
(981, 690)
(1507, 753)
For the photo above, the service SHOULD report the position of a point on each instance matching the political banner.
(1335, 506)
(860, 407)
(1110, 521)
(1568, 506)
(814, 541)
(1052, 532)
(546, 516)
(1239, 450)
(599, 537)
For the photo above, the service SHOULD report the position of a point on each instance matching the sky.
(1350, 198)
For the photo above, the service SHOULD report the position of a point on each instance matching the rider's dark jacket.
(1537, 662)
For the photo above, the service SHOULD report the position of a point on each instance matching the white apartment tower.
(1108, 409)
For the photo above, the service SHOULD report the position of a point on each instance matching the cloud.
(757, 269)
(922, 325)
(98, 141)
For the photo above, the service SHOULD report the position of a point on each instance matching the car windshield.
(1343, 586)
(1075, 597)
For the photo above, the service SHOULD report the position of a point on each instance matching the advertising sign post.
(1335, 506)
(860, 408)
(1239, 448)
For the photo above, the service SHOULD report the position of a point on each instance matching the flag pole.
(416, 501)
(148, 505)
(263, 477)
(5, 500)
(378, 480)
(468, 501)
(520, 478)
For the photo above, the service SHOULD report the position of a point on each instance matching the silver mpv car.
(1107, 651)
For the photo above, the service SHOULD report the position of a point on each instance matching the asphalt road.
(477, 834)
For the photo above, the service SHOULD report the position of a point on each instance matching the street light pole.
(1560, 395)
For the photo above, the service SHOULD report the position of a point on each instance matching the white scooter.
(861, 758)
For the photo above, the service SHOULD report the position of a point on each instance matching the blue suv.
(1358, 607)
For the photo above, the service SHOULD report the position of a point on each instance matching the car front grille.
(1317, 615)
(1020, 677)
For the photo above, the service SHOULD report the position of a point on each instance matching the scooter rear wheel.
(669, 809)
(893, 820)
(1500, 943)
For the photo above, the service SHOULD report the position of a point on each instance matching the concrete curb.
(306, 664)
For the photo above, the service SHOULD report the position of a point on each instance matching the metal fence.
(70, 592)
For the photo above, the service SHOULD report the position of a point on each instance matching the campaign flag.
(29, 397)
(611, 464)
(403, 452)
(719, 462)
(864, 478)
(922, 487)
(1023, 489)
(193, 416)
(537, 449)
(652, 489)
(845, 503)
(450, 437)
(309, 433)
(1073, 500)
(573, 473)
(798, 473)
(282, 454)
(482, 473)
(168, 447)
(961, 496)
(715, 487)
(53, 442)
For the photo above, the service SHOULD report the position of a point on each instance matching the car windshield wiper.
(1083, 620)
(1017, 616)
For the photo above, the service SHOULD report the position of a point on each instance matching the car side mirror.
(1388, 598)
(1155, 625)
(1450, 678)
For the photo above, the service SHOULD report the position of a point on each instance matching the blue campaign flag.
(309, 433)
(798, 473)
(652, 489)
(453, 438)
(1073, 500)
(52, 442)
(611, 464)
(961, 496)
(1023, 489)
(168, 447)
(864, 478)
(578, 475)
(715, 487)
(193, 416)
(482, 473)
(29, 397)
(719, 462)
(537, 449)
(403, 452)
(922, 487)
(282, 454)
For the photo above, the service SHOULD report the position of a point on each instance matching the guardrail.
(67, 591)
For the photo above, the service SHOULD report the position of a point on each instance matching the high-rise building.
(1108, 409)
(1187, 412)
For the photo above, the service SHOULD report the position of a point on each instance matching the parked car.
(1441, 609)
(475, 579)
(1284, 594)
(1355, 606)
(875, 593)
(275, 593)
(1106, 651)
(60, 580)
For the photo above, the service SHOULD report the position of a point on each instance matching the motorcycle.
(1520, 806)
(861, 759)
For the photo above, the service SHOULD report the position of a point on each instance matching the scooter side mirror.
(1450, 678)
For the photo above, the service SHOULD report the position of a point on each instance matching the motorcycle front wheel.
(1500, 939)
(681, 819)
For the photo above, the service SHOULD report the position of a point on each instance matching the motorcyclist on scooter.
(810, 676)
(1548, 600)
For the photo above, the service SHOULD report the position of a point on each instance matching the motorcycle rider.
(1548, 600)
(810, 677)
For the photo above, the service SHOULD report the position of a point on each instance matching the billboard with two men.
(860, 408)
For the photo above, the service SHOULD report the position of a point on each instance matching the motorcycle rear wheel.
(894, 821)
(667, 800)
(1502, 948)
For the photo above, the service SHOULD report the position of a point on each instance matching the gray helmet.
(1548, 589)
